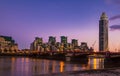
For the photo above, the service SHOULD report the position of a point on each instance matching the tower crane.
(93, 44)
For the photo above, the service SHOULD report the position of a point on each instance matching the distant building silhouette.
(103, 32)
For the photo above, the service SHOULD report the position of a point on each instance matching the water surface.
(21, 66)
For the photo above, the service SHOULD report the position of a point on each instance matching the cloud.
(116, 1)
(114, 27)
(108, 1)
(113, 2)
(115, 17)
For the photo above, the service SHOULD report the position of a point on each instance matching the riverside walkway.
(99, 72)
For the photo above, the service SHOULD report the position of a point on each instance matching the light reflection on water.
(95, 63)
(11, 66)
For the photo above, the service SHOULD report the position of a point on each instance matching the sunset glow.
(76, 19)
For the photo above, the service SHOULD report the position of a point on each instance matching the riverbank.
(98, 72)
(51, 56)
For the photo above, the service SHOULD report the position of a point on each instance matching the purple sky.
(79, 19)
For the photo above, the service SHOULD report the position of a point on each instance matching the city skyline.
(62, 46)
(25, 20)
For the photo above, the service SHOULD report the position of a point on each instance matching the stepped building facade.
(8, 45)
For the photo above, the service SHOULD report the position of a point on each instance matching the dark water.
(20, 66)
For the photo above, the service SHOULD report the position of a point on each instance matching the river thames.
(23, 66)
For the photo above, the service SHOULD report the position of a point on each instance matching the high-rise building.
(52, 40)
(103, 33)
(74, 42)
(64, 42)
(63, 39)
(36, 44)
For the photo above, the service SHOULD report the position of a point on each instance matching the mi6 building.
(8, 45)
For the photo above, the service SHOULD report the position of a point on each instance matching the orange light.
(94, 64)
(61, 66)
